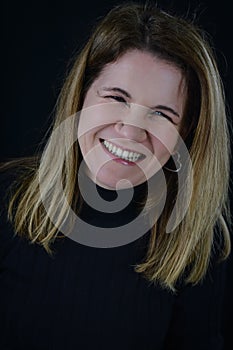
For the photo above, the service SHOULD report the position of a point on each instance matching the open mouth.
(122, 153)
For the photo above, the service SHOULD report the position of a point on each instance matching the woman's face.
(130, 119)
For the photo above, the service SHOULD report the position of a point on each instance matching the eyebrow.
(117, 89)
(125, 93)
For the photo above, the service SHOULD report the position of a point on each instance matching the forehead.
(143, 60)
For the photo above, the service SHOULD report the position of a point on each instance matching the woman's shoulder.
(8, 179)
(11, 174)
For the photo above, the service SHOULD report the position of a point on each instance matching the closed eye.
(163, 115)
(116, 98)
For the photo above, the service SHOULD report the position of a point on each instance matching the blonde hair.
(178, 41)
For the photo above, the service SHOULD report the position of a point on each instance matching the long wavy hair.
(205, 131)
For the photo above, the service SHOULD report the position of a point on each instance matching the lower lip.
(123, 161)
(118, 160)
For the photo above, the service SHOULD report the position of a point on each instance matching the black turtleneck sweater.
(91, 298)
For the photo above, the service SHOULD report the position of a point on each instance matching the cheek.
(83, 144)
(90, 122)
(96, 117)
(164, 138)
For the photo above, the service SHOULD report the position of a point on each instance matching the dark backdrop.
(39, 40)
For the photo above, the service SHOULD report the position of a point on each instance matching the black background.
(40, 39)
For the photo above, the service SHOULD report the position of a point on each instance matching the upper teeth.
(119, 152)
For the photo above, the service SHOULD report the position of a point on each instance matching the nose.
(130, 131)
(132, 124)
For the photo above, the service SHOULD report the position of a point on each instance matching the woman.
(142, 109)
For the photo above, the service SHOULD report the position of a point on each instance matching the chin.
(115, 182)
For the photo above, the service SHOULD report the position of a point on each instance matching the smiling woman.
(118, 231)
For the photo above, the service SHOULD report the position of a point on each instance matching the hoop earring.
(178, 162)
